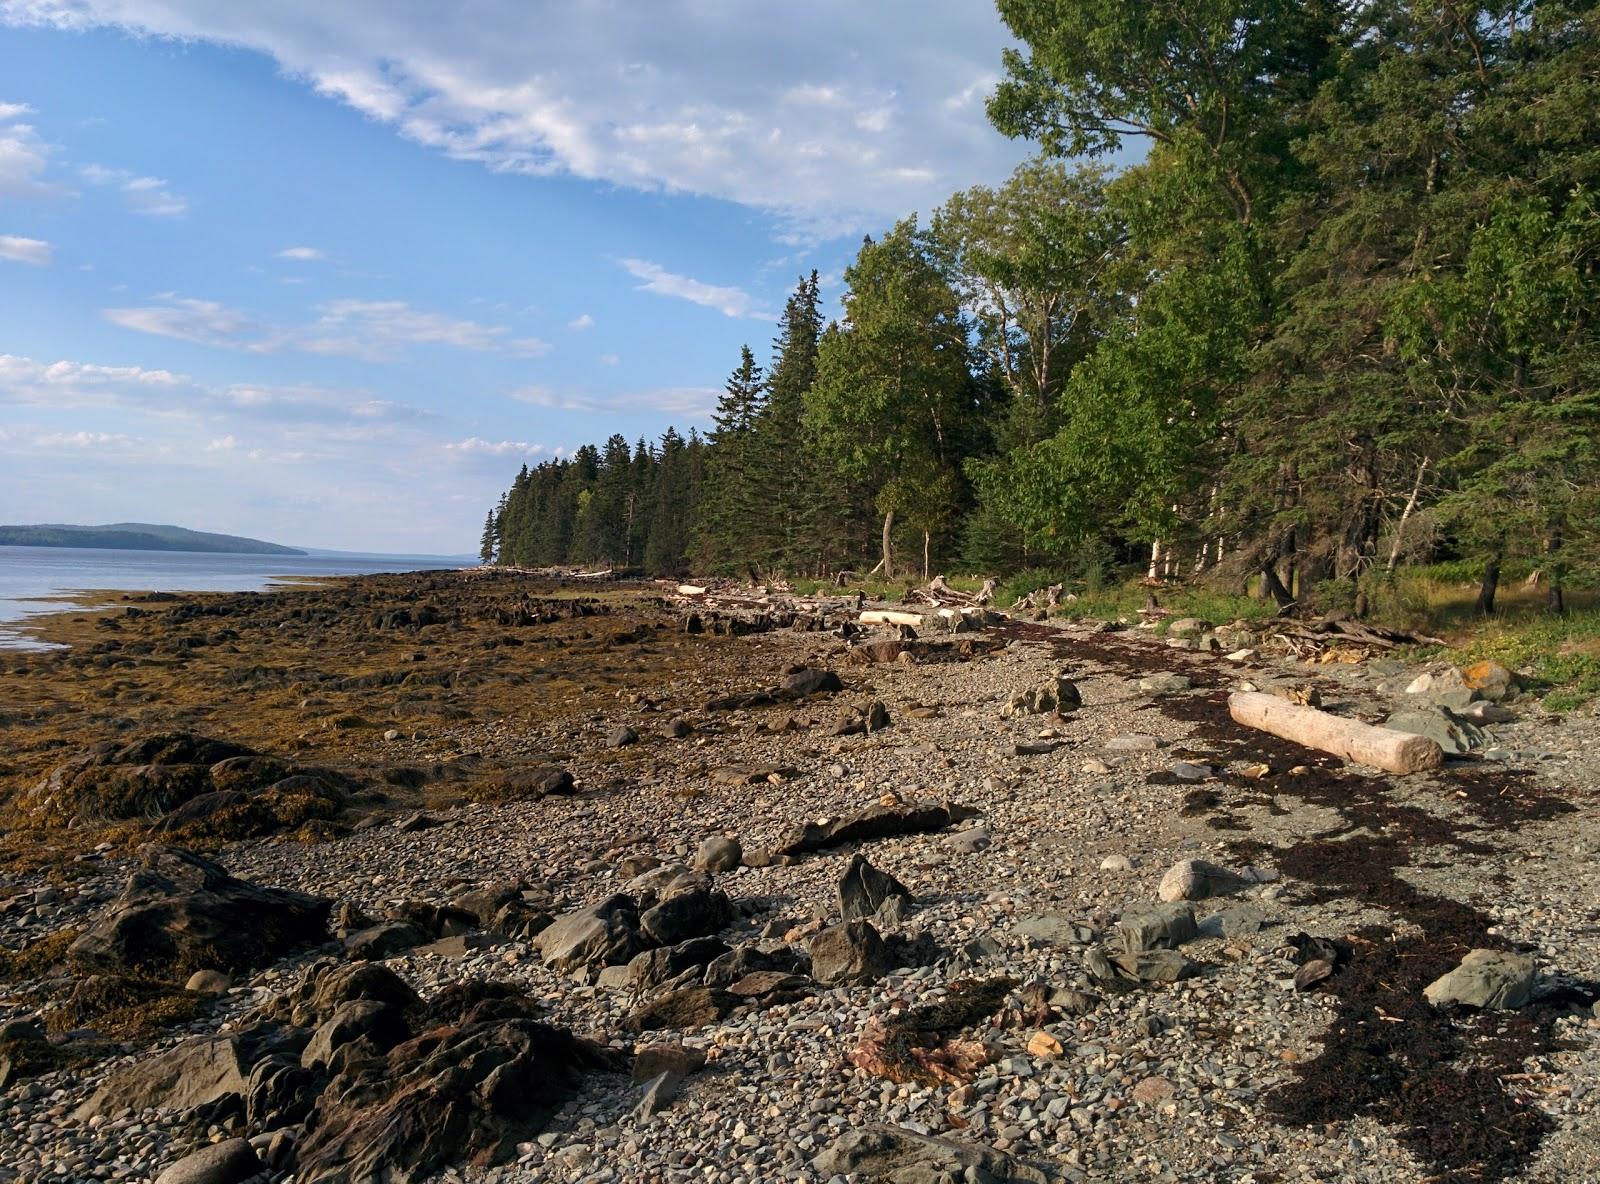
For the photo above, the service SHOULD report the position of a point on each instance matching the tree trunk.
(925, 555)
(1489, 586)
(888, 551)
(1155, 560)
(1405, 516)
(1273, 586)
(1555, 599)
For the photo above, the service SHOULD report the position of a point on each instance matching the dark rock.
(810, 681)
(327, 985)
(199, 1071)
(654, 967)
(451, 1095)
(384, 940)
(355, 1020)
(1157, 927)
(875, 822)
(181, 912)
(484, 903)
(718, 853)
(851, 953)
(279, 1093)
(622, 737)
(746, 960)
(698, 912)
(658, 1093)
(604, 934)
(863, 888)
(692, 1007)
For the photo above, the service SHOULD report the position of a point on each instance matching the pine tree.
(726, 524)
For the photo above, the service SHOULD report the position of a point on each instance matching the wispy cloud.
(202, 321)
(23, 155)
(580, 323)
(374, 330)
(831, 142)
(143, 195)
(696, 402)
(26, 250)
(473, 446)
(84, 440)
(378, 329)
(303, 254)
(729, 301)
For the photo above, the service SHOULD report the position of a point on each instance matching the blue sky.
(328, 273)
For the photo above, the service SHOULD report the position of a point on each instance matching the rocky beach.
(477, 877)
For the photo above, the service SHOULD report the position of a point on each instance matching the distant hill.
(137, 536)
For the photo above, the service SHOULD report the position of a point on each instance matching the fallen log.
(1393, 752)
(691, 590)
(885, 617)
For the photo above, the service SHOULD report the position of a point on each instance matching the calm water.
(30, 576)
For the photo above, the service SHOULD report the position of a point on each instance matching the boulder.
(1490, 680)
(231, 1161)
(896, 1155)
(654, 967)
(180, 912)
(1054, 929)
(1485, 979)
(875, 822)
(1441, 725)
(199, 1071)
(384, 940)
(451, 1095)
(358, 1019)
(697, 912)
(208, 982)
(691, 1007)
(737, 964)
(604, 934)
(651, 1060)
(810, 681)
(326, 986)
(853, 953)
(541, 781)
(1164, 684)
(718, 853)
(1195, 879)
(1159, 927)
(658, 1093)
(863, 889)
(622, 737)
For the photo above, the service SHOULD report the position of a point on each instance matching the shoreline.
(486, 680)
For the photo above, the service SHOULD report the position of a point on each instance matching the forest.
(1338, 317)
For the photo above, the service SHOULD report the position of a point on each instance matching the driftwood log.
(889, 617)
(1393, 752)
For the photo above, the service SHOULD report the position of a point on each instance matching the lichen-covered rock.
(1485, 979)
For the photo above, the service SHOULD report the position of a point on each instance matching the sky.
(329, 273)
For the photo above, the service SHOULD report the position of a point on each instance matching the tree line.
(1339, 317)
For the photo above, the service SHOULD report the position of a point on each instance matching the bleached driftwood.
(691, 590)
(887, 617)
(1393, 752)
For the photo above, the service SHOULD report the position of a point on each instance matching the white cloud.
(375, 330)
(23, 155)
(696, 402)
(304, 254)
(831, 139)
(83, 440)
(77, 384)
(223, 444)
(610, 360)
(473, 446)
(143, 195)
(583, 322)
(730, 302)
(203, 321)
(25, 250)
